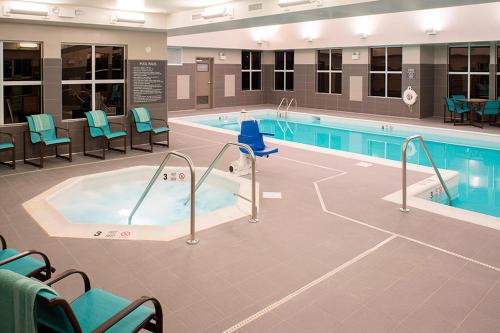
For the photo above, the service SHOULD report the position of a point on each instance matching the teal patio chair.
(95, 310)
(143, 123)
(8, 146)
(455, 108)
(43, 132)
(99, 127)
(23, 263)
(489, 109)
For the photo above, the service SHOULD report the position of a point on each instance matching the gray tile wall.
(220, 100)
(52, 103)
(306, 95)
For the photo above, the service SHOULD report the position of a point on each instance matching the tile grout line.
(308, 286)
(323, 205)
(102, 161)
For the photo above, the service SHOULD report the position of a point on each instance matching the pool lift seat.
(253, 137)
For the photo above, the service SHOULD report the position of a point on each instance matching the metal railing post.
(404, 148)
(192, 238)
(254, 218)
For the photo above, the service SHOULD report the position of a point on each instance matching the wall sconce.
(363, 35)
(309, 39)
(260, 40)
(431, 31)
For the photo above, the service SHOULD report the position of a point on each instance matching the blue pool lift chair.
(455, 108)
(43, 132)
(142, 122)
(98, 127)
(95, 310)
(252, 136)
(23, 262)
(489, 109)
(8, 146)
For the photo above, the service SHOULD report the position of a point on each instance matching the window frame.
(386, 72)
(251, 70)
(468, 73)
(330, 71)
(284, 71)
(93, 81)
(181, 51)
(4, 84)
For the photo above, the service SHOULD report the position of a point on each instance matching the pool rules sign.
(147, 83)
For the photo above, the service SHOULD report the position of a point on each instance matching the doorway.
(204, 83)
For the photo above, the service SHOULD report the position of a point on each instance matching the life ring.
(410, 96)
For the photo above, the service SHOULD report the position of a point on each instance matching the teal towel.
(142, 115)
(42, 122)
(99, 118)
(17, 302)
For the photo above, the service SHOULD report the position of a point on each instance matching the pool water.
(475, 156)
(110, 197)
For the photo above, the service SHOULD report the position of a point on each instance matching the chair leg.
(42, 154)
(14, 158)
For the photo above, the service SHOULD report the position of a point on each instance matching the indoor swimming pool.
(475, 156)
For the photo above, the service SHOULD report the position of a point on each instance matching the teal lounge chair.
(100, 128)
(8, 146)
(143, 123)
(489, 109)
(43, 132)
(455, 109)
(23, 263)
(96, 311)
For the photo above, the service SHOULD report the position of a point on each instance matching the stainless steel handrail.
(429, 157)
(192, 239)
(254, 218)
(290, 104)
(284, 101)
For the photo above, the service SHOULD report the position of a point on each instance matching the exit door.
(204, 85)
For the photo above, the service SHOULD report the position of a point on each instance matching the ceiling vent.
(255, 6)
(196, 17)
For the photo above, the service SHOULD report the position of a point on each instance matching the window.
(469, 71)
(329, 71)
(93, 78)
(386, 71)
(20, 81)
(251, 70)
(283, 70)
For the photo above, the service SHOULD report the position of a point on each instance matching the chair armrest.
(161, 120)
(9, 135)
(69, 272)
(3, 242)
(118, 124)
(268, 134)
(37, 133)
(28, 253)
(127, 310)
(63, 129)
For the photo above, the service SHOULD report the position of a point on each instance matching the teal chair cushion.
(491, 108)
(96, 306)
(52, 317)
(112, 135)
(159, 130)
(21, 266)
(142, 119)
(48, 130)
(95, 132)
(57, 141)
(7, 145)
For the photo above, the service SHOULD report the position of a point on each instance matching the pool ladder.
(409, 139)
(192, 239)
(284, 114)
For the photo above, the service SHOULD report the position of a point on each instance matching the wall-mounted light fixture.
(216, 12)
(26, 8)
(309, 39)
(363, 35)
(431, 31)
(260, 40)
(128, 17)
(291, 3)
(26, 45)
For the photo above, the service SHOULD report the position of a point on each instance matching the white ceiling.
(158, 6)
